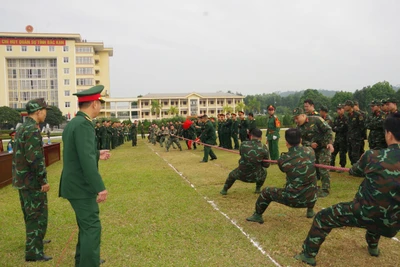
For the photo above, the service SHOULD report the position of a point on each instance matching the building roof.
(186, 95)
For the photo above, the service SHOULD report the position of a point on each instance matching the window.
(66, 81)
(9, 48)
(12, 73)
(66, 93)
(83, 71)
(84, 60)
(83, 49)
(51, 48)
(37, 48)
(24, 48)
(53, 62)
(67, 104)
(66, 70)
(83, 82)
(66, 59)
(65, 48)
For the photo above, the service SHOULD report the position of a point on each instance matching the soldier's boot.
(258, 190)
(309, 260)
(322, 193)
(255, 218)
(224, 190)
(180, 148)
(310, 213)
(373, 251)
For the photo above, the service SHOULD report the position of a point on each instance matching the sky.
(250, 47)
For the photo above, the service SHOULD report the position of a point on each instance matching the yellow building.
(52, 66)
(192, 104)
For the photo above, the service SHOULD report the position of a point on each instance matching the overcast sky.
(251, 46)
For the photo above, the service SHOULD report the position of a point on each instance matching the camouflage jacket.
(355, 122)
(173, 134)
(375, 124)
(378, 197)
(316, 130)
(28, 165)
(340, 127)
(273, 125)
(328, 119)
(252, 154)
(313, 113)
(301, 179)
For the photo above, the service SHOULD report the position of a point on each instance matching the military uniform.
(273, 128)
(29, 175)
(103, 136)
(235, 132)
(173, 138)
(375, 207)
(208, 137)
(243, 126)
(228, 133)
(81, 181)
(355, 134)
(340, 144)
(316, 130)
(251, 165)
(300, 190)
(376, 137)
(133, 134)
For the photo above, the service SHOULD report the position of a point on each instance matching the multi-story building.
(169, 105)
(50, 65)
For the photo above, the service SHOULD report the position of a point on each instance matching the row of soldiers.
(111, 134)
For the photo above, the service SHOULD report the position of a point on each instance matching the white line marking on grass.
(215, 207)
(395, 239)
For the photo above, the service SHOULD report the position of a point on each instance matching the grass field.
(164, 209)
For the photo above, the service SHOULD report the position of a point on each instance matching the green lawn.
(159, 216)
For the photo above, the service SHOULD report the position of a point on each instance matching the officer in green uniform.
(376, 205)
(251, 124)
(208, 137)
(133, 133)
(309, 108)
(235, 131)
(274, 126)
(30, 178)
(228, 132)
(81, 182)
(243, 125)
(97, 129)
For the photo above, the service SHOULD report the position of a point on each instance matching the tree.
(378, 91)
(227, 109)
(253, 105)
(339, 98)
(240, 107)
(156, 107)
(318, 98)
(173, 110)
(9, 117)
(54, 116)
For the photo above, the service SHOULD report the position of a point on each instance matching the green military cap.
(91, 94)
(298, 111)
(324, 108)
(35, 105)
(349, 103)
(383, 101)
(391, 100)
(340, 106)
(374, 103)
(355, 103)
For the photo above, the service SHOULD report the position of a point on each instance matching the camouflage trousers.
(172, 141)
(354, 149)
(340, 215)
(34, 208)
(340, 147)
(258, 177)
(162, 140)
(323, 156)
(274, 194)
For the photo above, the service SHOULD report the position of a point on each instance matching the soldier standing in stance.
(355, 132)
(81, 182)
(173, 138)
(274, 126)
(301, 183)
(376, 205)
(316, 133)
(30, 178)
(251, 164)
(235, 131)
(376, 137)
(364, 114)
(133, 133)
(142, 130)
(243, 125)
(251, 124)
(340, 144)
(208, 137)
(103, 135)
(97, 129)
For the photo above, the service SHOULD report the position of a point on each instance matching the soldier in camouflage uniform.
(273, 128)
(173, 138)
(364, 114)
(376, 205)
(30, 178)
(309, 108)
(164, 134)
(133, 133)
(251, 164)
(323, 111)
(316, 133)
(355, 131)
(391, 105)
(340, 144)
(376, 137)
(301, 183)
(243, 125)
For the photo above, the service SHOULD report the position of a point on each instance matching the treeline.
(285, 104)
